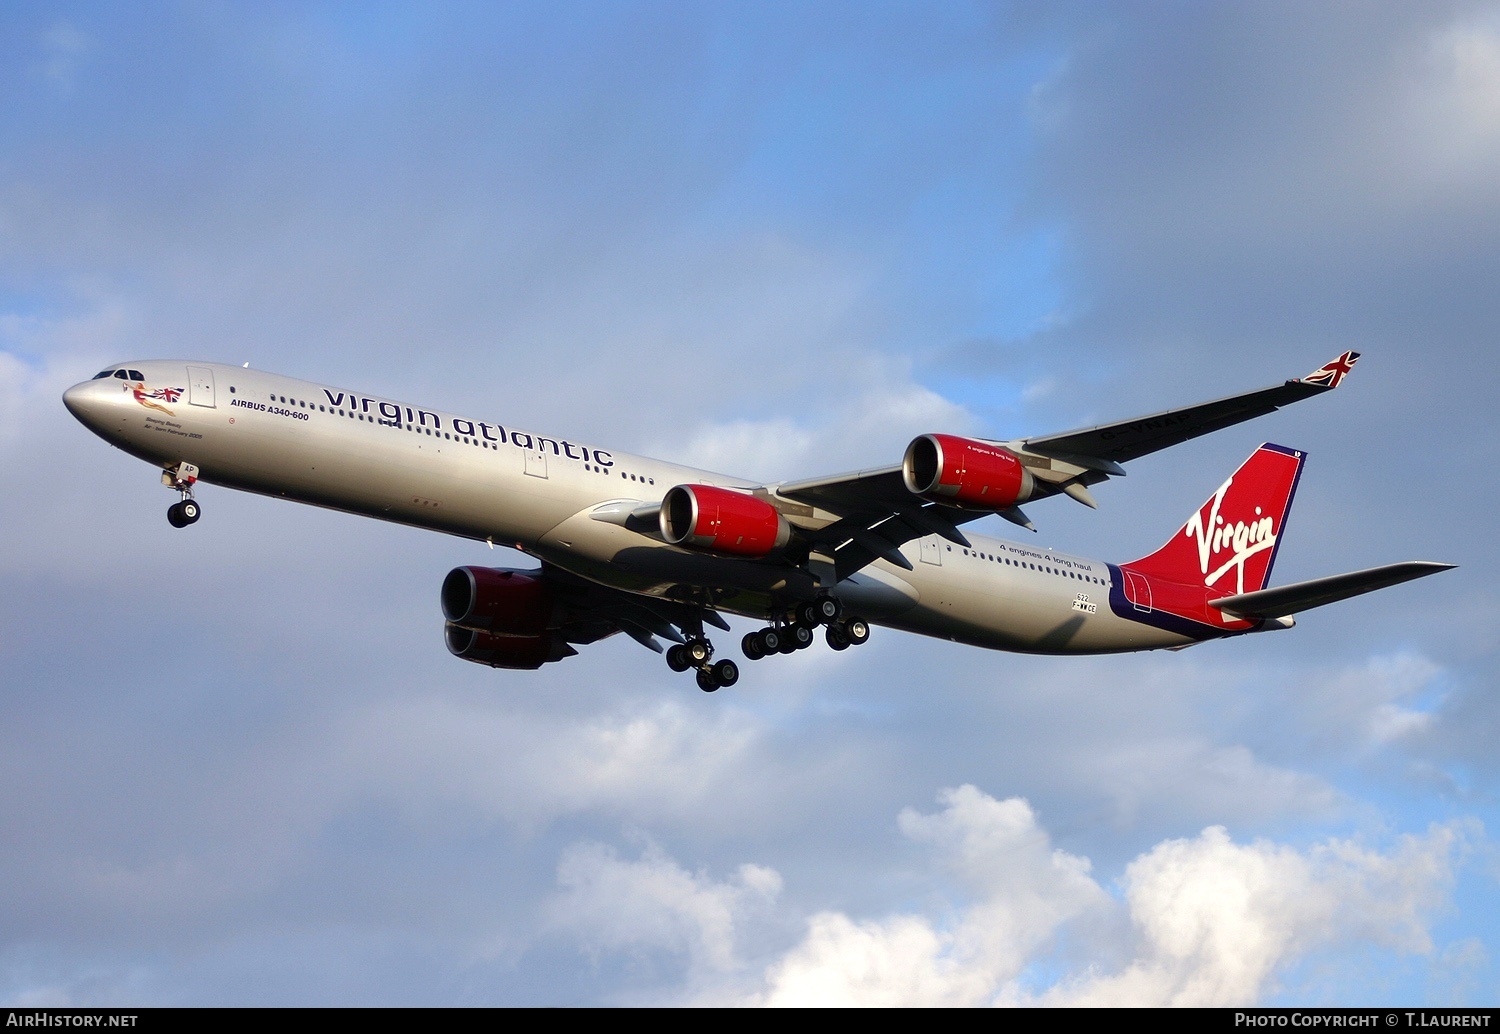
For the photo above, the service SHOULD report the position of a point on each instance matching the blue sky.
(776, 240)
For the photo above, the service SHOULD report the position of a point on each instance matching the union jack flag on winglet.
(1330, 375)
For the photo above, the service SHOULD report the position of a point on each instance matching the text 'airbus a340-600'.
(660, 551)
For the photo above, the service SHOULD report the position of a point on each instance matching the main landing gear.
(854, 632)
(181, 478)
(698, 653)
(796, 631)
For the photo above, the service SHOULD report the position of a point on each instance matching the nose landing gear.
(181, 478)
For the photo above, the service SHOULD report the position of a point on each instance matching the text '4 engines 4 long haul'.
(660, 551)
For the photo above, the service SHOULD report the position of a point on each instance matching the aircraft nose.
(84, 401)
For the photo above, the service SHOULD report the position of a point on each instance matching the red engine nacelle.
(506, 651)
(964, 472)
(496, 600)
(722, 521)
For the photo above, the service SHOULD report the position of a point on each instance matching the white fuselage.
(563, 501)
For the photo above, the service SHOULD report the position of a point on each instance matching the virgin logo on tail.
(1236, 530)
(1215, 536)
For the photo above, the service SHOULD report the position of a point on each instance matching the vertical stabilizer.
(1229, 545)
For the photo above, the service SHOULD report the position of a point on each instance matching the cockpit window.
(136, 375)
(104, 373)
(121, 374)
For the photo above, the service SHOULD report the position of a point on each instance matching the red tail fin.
(1230, 543)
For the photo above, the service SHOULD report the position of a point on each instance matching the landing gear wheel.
(175, 516)
(837, 638)
(677, 658)
(858, 631)
(726, 672)
(807, 614)
(829, 609)
(706, 680)
(190, 511)
(698, 651)
(801, 636)
(767, 641)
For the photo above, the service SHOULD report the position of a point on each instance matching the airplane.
(659, 551)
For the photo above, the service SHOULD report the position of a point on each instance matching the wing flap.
(1285, 600)
(879, 488)
(591, 612)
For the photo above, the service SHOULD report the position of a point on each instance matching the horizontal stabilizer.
(1300, 596)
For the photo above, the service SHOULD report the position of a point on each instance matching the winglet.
(1330, 375)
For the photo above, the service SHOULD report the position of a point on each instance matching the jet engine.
(499, 617)
(722, 521)
(964, 472)
(528, 652)
(497, 601)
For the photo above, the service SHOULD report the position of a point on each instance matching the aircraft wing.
(878, 514)
(591, 612)
(1129, 439)
(1299, 596)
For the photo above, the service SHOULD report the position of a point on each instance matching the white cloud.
(871, 410)
(652, 902)
(40, 356)
(763, 445)
(1217, 920)
(1453, 108)
(643, 761)
(1200, 776)
(1367, 705)
(1023, 891)
(1205, 921)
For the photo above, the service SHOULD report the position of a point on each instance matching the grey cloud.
(242, 766)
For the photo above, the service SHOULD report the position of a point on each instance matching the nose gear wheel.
(181, 479)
